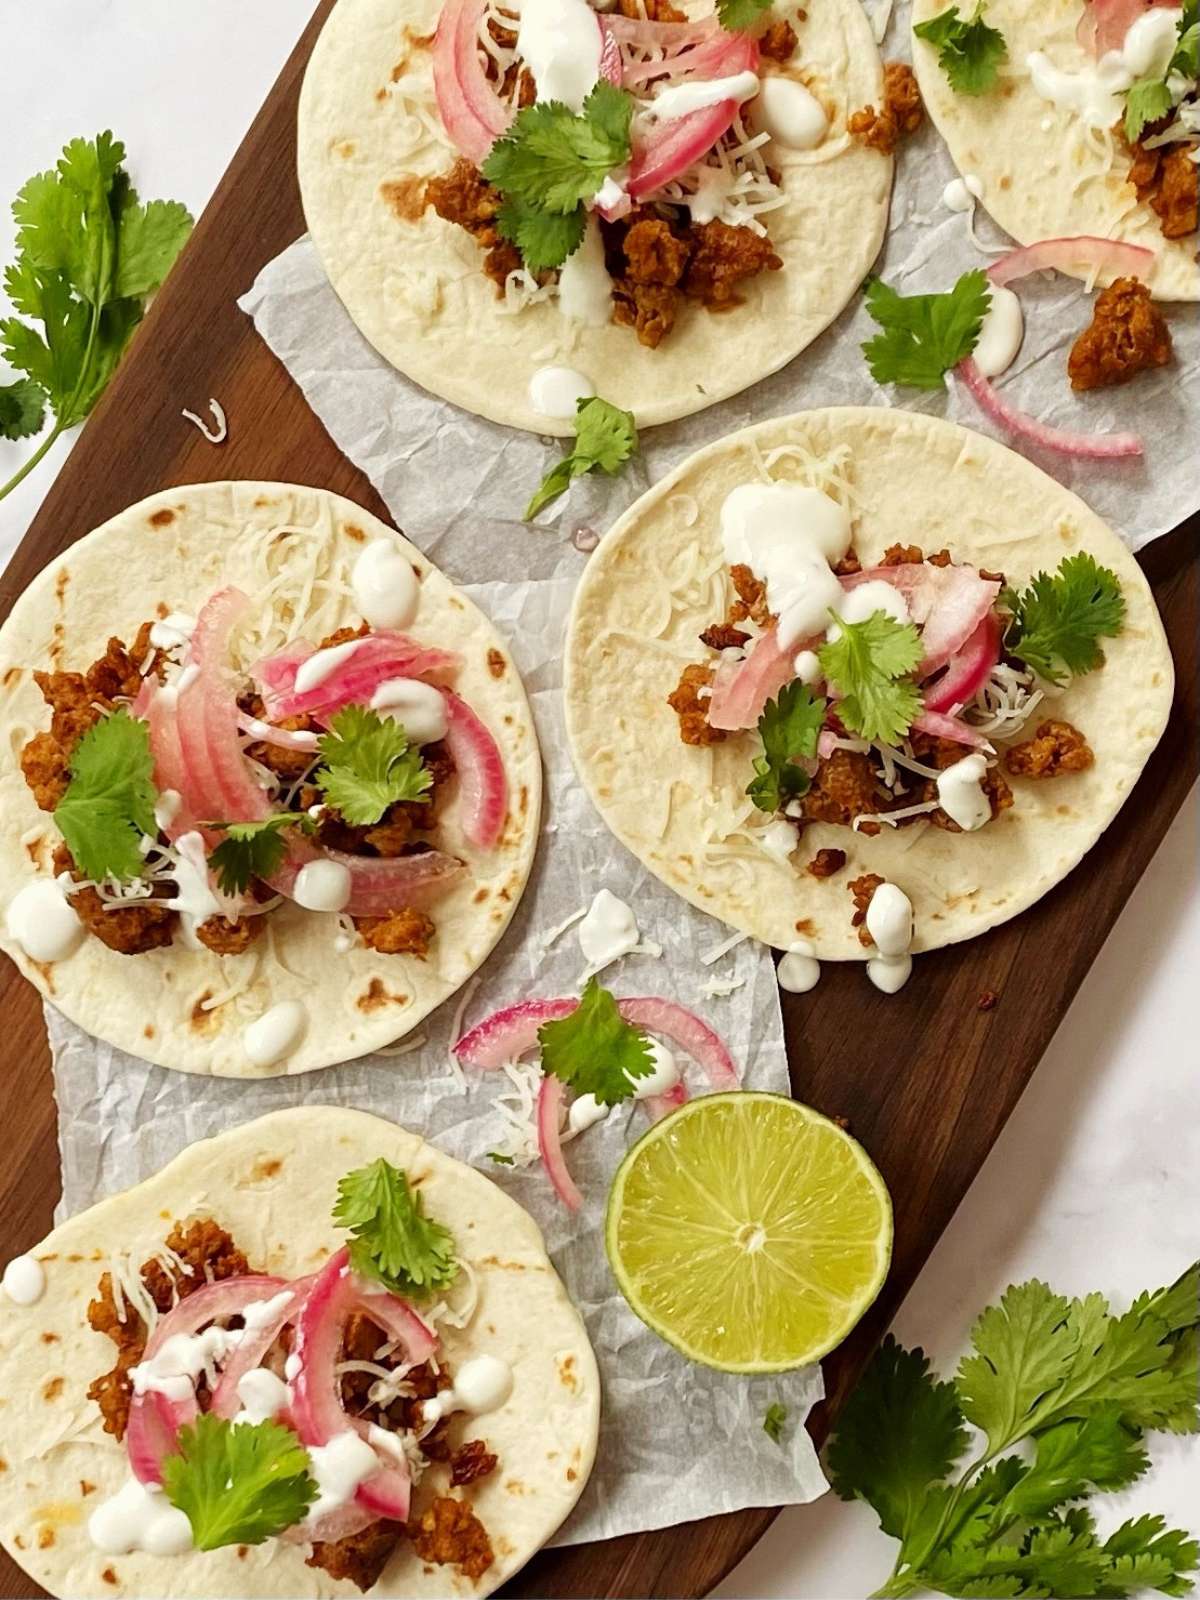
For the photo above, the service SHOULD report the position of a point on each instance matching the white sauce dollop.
(890, 924)
(608, 931)
(779, 839)
(338, 1468)
(24, 1281)
(889, 974)
(714, 185)
(482, 1384)
(276, 1033)
(584, 286)
(322, 663)
(664, 1073)
(1001, 334)
(386, 590)
(167, 808)
(322, 886)
(960, 194)
(584, 1112)
(193, 898)
(961, 795)
(788, 535)
(807, 666)
(1094, 93)
(419, 707)
(175, 629)
(43, 921)
(865, 600)
(174, 1369)
(681, 99)
(790, 113)
(560, 42)
(263, 1395)
(139, 1517)
(557, 391)
(799, 970)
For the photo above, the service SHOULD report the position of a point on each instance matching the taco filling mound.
(360, 1393)
(525, 202)
(862, 745)
(238, 784)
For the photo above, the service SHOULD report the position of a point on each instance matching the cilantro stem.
(23, 471)
(65, 418)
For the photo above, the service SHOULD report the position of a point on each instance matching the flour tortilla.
(415, 286)
(272, 1185)
(912, 479)
(173, 551)
(1040, 179)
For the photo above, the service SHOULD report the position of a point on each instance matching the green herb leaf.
(788, 728)
(108, 807)
(1147, 101)
(238, 1485)
(500, 1159)
(867, 666)
(253, 849)
(969, 53)
(605, 438)
(393, 1240)
(369, 765)
(1057, 621)
(544, 238)
(774, 1420)
(925, 335)
(594, 1050)
(739, 15)
(22, 409)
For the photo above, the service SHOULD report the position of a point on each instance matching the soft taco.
(1086, 123)
(523, 203)
(311, 1353)
(855, 648)
(271, 784)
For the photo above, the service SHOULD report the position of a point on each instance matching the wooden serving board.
(926, 1079)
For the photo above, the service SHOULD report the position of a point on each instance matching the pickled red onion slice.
(943, 726)
(483, 783)
(253, 1346)
(1060, 255)
(376, 658)
(549, 1132)
(378, 884)
(1081, 446)
(741, 689)
(472, 112)
(948, 603)
(967, 670)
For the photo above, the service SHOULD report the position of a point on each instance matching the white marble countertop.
(1095, 1183)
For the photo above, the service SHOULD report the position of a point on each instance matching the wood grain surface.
(926, 1079)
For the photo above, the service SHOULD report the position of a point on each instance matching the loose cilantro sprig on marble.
(393, 1241)
(1072, 1384)
(238, 1485)
(108, 807)
(970, 51)
(1058, 621)
(594, 1050)
(925, 335)
(868, 665)
(605, 439)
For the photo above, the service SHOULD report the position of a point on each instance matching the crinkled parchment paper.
(677, 1441)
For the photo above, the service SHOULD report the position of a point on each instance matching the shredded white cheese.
(214, 435)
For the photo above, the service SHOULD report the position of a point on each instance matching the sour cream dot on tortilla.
(483, 1384)
(790, 113)
(139, 1517)
(322, 886)
(890, 920)
(385, 587)
(43, 921)
(788, 535)
(24, 1281)
(807, 666)
(799, 970)
(276, 1033)
(1001, 334)
(961, 794)
(557, 391)
(322, 663)
(584, 286)
(417, 706)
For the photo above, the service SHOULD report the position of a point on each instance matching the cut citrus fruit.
(749, 1231)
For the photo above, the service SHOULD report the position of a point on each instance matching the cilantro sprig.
(253, 849)
(594, 1050)
(238, 1485)
(393, 1241)
(736, 16)
(605, 438)
(1072, 1384)
(108, 807)
(549, 163)
(868, 665)
(789, 728)
(970, 51)
(369, 765)
(88, 255)
(1058, 621)
(924, 335)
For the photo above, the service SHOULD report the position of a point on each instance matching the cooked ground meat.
(392, 835)
(751, 599)
(130, 929)
(1128, 334)
(225, 937)
(943, 753)
(47, 770)
(827, 862)
(863, 890)
(403, 932)
(1170, 181)
(724, 636)
(649, 309)
(470, 1461)
(846, 785)
(450, 1534)
(211, 1254)
(691, 707)
(360, 1557)
(1057, 748)
(724, 257)
(902, 112)
(848, 565)
(289, 765)
(654, 254)
(464, 196)
(777, 42)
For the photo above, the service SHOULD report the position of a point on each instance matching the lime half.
(749, 1231)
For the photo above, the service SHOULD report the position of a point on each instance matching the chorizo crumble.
(1128, 334)
(901, 113)
(1057, 747)
(1168, 180)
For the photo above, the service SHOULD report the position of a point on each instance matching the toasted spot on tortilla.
(12, 676)
(505, 1546)
(503, 1266)
(508, 721)
(33, 849)
(381, 94)
(60, 585)
(148, 1031)
(3, 1464)
(50, 1338)
(523, 799)
(58, 1513)
(480, 896)
(18, 1541)
(405, 197)
(515, 1486)
(261, 500)
(267, 1167)
(571, 1474)
(567, 1375)
(202, 1020)
(86, 1488)
(496, 662)
(52, 1390)
(46, 1538)
(352, 531)
(504, 892)
(165, 1215)
(373, 997)
(1005, 182)
(45, 971)
(162, 610)
(343, 147)
(806, 925)
(163, 518)
(243, 1550)
(109, 1575)
(74, 1256)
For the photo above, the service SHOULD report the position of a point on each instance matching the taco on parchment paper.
(714, 213)
(1089, 128)
(449, 1424)
(271, 786)
(859, 646)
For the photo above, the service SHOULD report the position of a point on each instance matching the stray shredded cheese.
(220, 432)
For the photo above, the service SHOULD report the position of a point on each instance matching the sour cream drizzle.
(560, 42)
(961, 795)
(789, 535)
(681, 99)
(790, 113)
(322, 886)
(276, 1033)
(385, 587)
(419, 707)
(890, 924)
(313, 672)
(1094, 93)
(1001, 334)
(799, 970)
(139, 1517)
(43, 921)
(24, 1281)
(868, 598)
(175, 629)
(608, 931)
(338, 1468)
(557, 391)
(482, 1384)
(584, 286)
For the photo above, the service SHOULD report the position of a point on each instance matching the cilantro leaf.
(22, 409)
(969, 53)
(788, 728)
(1057, 621)
(605, 438)
(108, 806)
(1074, 1457)
(594, 1050)
(1023, 1348)
(393, 1240)
(238, 1485)
(738, 15)
(774, 1420)
(543, 238)
(553, 160)
(924, 335)
(1147, 101)
(867, 666)
(899, 1432)
(253, 849)
(500, 1159)
(88, 255)
(368, 765)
